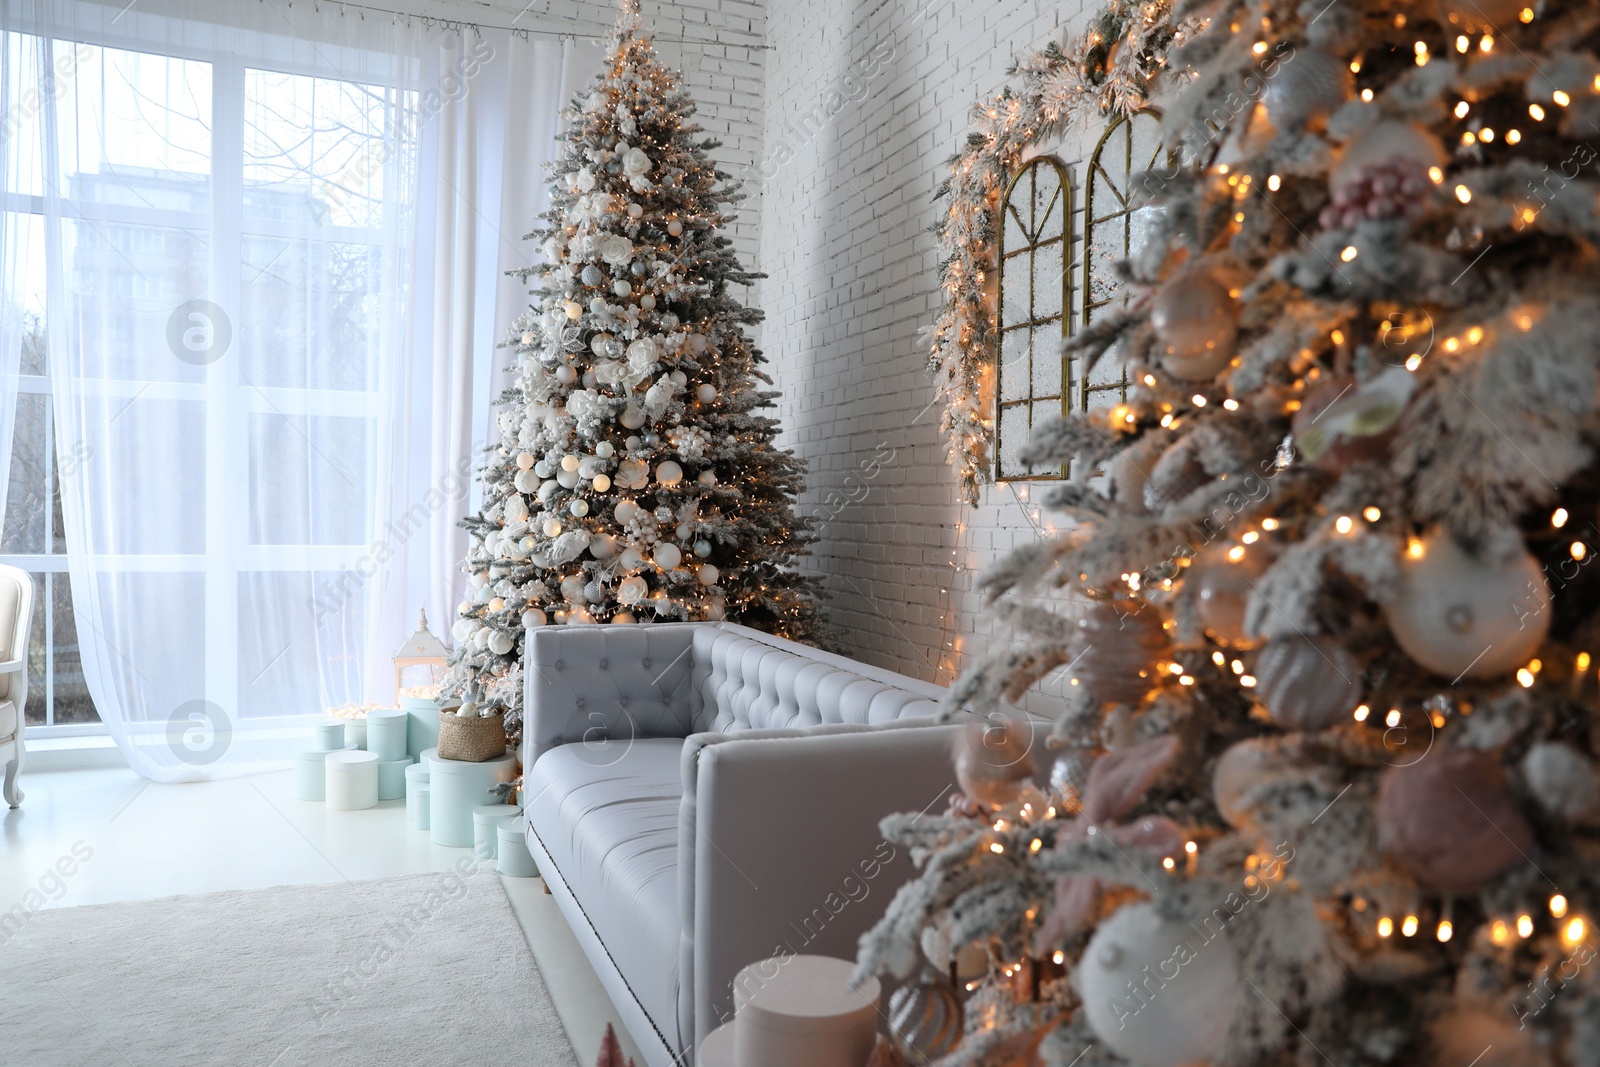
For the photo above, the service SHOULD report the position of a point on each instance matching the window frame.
(1029, 170)
(230, 401)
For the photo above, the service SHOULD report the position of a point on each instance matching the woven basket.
(472, 739)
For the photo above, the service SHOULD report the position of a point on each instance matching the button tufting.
(581, 702)
(647, 663)
(559, 665)
(604, 664)
(624, 701)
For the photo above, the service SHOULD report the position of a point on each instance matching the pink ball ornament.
(1451, 821)
(993, 759)
(1222, 588)
(1196, 322)
(1307, 683)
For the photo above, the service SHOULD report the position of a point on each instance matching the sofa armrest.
(593, 683)
(779, 851)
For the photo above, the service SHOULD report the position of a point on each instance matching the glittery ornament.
(1116, 647)
(1310, 86)
(1196, 322)
(1307, 683)
(591, 275)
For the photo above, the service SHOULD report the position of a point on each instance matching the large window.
(227, 232)
(1034, 258)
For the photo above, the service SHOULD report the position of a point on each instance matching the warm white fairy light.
(1558, 906)
(1361, 713)
(1524, 926)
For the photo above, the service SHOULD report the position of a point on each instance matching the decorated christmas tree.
(1325, 791)
(637, 478)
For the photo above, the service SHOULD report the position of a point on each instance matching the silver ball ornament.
(1196, 322)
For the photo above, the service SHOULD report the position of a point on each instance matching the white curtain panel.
(489, 135)
(230, 198)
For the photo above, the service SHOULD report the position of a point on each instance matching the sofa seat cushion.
(606, 812)
(8, 720)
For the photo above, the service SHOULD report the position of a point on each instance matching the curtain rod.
(524, 31)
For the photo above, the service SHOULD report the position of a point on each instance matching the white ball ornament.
(501, 642)
(567, 479)
(579, 508)
(669, 473)
(1181, 1022)
(636, 211)
(668, 556)
(675, 228)
(533, 617)
(526, 482)
(625, 511)
(552, 528)
(684, 531)
(478, 580)
(631, 559)
(526, 461)
(573, 309)
(463, 608)
(1196, 322)
(632, 590)
(623, 618)
(1460, 616)
(707, 393)
(603, 546)
(648, 302)
(569, 462)
(621, 288)
(527, 338)
(605, 449)
(601, 483)
(497, 604)
(547, 490)
(631, 417)
(566, 374)
(702, 548)
(544, 468)
(707, 574)
(633, 443)
(698, 343)
(678, 378)
(462, 630)
(572, 589)
(707, 478)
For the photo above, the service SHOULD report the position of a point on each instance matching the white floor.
(145, 840)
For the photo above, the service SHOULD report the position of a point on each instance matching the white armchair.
(16, 616)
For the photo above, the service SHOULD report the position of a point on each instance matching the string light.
(1525, 678)
(997, 848)
(1524, 926)
(1513, 136)
(1561, 99)
(1350, 252)
(1536, 112)
(1408, 928)
(1385, 926)
(1499, 932)
(1559, 518)
(1371, 514)
(1168, 862)
(1344, 524)
(1366, 95)
(1462, 44)
(1392, 719)
(1361, 713)
(1269, 524)
(1582, 661)
(1558, 906)
(1574, 932)
(1463, 107)
(1250, 538)
(1247, 680)
(1463, 194)
(1445, 930)
(1415, 548)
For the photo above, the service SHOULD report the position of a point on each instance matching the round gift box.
(352, 780)
(386, 734)
(329, 736)
(422, 729)
(419, 804)
(486, 820)
(355, 733)
(717, 1049)
(456, 787)
(392, 778)
(310, 770)
(515, 860)
(801, 1012)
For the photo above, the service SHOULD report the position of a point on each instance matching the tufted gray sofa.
(700, 796)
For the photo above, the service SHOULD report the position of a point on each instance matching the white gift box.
(799, 1011)
(352, 780)
(310, 768)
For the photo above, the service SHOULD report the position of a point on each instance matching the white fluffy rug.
(427, 969)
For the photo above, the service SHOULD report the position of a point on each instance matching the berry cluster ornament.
(1386, 141)
(1395, 188)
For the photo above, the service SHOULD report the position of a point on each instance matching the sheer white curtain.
(489, 134)
(227, 201)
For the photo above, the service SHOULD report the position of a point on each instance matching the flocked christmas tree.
(637, 480)
(1326, 791)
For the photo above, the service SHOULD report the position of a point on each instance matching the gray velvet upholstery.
(701, 796)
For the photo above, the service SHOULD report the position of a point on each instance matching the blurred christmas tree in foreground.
(637, 479)
(1328, 793)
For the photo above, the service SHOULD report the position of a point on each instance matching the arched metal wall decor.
(1130, 146)
(1034, 312)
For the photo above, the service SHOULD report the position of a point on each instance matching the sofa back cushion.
(13, 645)
(750, 681)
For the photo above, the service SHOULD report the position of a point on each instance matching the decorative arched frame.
(1109, 70)
(1130, 146)
(1034, 310)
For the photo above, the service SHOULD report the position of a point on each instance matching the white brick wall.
(845, 239)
